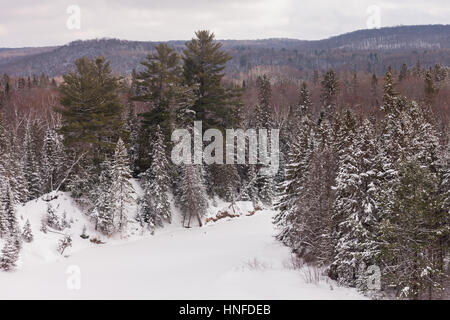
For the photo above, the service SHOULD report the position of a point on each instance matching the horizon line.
(229, 39)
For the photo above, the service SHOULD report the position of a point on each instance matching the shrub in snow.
(27, 235)
(64, 243)
(52, 219)
(64, 222)
(43, 226)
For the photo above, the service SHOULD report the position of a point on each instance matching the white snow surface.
(233, 258)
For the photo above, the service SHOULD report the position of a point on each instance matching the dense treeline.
(363, 193)
(364, 158)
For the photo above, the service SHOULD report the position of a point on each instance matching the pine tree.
(417, 70)
(304, 104)
(443, 168)
(204, 63)
(193, 195)
(155, 206)
(159, 85)
(411, 235)
(263, 112)
(132, 126)
(52, 220)
(31, 170)
(121, 187)
(311, 225)
(251, 189)
(430, 88)
(53, 160)
(374, 90)
(389, 94)
(422, 138)
(91, 110)
(403, 72)
(103, 212)
(14, 164)
(10, 255)
(329, 92)
(355, 208)
(27, 234)
(296, 172)
(263, 120)
(8, 212)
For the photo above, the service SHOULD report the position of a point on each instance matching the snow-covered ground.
(233, 258)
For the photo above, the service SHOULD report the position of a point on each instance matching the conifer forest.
(227, 169)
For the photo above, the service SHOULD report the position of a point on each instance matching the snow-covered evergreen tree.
(9, 254)
(329, 93)
(132, 126)
(295, 175)
(304, 104)
(355, 208)
(31, 171)
(251, 188)
(8, 212)
(51, 218)
(263, 120)
(103, 212)
(121, 187)
(27, 234)
(412, 234)
(12, 167)
(52, 160)
(154, 208)
(194, 200)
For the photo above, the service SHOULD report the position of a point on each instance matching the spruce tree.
(193, 195)
(296, 172)
(9, 213)
(329, 92)
(31, 171)
(53, 160)
(411, 235)
(132, 126)
(10, 255)
(155, 206)
(103, 212)
(374, 90)
(355, 209)
(304, 104)
(52, 220)
(27, 234)
(121, 187)
(263, 120)
(430, 88)
(390, 94)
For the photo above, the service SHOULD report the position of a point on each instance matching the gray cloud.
(33, 23)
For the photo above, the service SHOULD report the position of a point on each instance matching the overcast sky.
(44, 22)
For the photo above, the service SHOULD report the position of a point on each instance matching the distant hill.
(369, 50)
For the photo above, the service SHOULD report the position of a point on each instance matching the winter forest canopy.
(364, 176)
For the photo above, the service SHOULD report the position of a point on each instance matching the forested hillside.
(365, 50)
